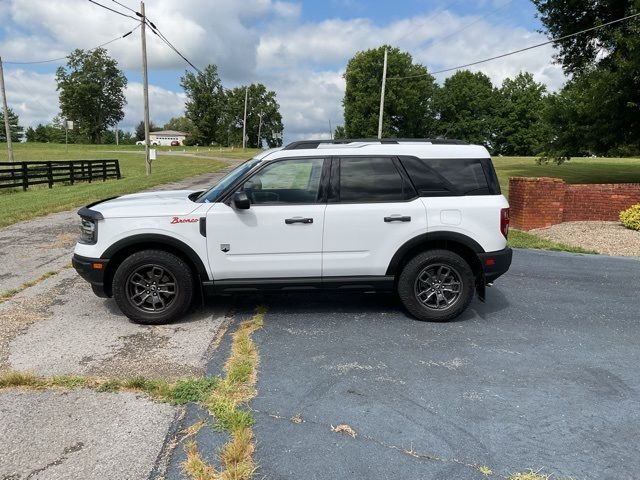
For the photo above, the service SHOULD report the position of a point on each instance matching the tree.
(14, 127)
(91, 92)
(263, 116)
(467, 106)
(140, 129)
(30, 134)
(603, 96)
(408, 109)
(41, 134)
(520, 126)
(181, 124)
(205, 103)
(339, 132)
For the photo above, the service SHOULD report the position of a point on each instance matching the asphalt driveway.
(543, 376)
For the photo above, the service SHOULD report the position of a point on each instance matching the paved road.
(542, 376)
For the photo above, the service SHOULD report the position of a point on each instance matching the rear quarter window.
(451, 176)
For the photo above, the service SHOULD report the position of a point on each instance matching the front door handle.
(290, 221)
(397, 218)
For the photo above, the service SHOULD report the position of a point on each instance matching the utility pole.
(145, 82)
(7, 127)
(244, 122)
(260, 130)
(117, 135)
(384, 83)
(330, 130)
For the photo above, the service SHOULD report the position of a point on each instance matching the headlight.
(88, 231)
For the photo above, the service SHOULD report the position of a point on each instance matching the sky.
(299, 49)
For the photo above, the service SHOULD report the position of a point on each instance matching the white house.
(165, 137)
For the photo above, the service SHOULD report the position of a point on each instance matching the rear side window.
(365, 180)
(448, 176)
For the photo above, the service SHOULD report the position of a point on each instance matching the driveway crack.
(59, 461)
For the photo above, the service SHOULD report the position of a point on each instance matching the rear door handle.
(397, 218)
(290, 221)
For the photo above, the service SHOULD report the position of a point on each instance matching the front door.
(280, 235)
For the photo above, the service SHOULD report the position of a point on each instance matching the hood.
(148, 204)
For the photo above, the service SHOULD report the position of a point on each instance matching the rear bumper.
(88, 269)
(494, 264)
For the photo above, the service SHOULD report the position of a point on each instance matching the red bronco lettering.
(184, 220)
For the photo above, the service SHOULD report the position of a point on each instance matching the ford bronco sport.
(424, 218)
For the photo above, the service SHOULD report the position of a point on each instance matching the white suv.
(422, 217)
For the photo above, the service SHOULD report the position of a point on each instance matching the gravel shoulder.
(60, 327)
(609, 238)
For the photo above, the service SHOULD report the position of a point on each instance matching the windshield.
(214, 192)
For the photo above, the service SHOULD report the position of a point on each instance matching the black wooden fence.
(24, 174)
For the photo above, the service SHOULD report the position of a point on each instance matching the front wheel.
(153, 287)
(436, 285)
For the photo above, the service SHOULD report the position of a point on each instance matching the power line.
(470, 24)
(161, 36)
(554, 40)
(124, 6)
(151, 25)
(431, 18)
(51, 60)
(113, 10)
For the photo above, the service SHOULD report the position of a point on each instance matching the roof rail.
(311, 144)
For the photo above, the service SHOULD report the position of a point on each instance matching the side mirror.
(241, 201)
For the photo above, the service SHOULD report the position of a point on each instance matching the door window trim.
(323, 186)
(334, 189)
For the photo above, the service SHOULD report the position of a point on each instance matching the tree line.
(597, 111)
(508, 119)
(92, 94)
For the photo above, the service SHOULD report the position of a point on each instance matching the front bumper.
(93, 271)
(494, 264)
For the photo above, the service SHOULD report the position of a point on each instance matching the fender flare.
(458, 238)
(147, 238)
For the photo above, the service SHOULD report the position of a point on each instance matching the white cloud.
(163, 104)
(32, 96)
(252, 40)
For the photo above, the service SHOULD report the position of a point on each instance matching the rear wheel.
(436, 285)
(153, 287)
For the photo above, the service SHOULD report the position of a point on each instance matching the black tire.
(142, 287)
(426, 289)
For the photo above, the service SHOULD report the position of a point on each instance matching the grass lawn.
(40, 200)
(576, 170)
(520, 239)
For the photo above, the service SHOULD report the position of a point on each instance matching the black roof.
(310, 144)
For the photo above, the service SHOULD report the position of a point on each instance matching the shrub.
(630, 217)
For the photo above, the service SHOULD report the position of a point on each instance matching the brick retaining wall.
(543, 201)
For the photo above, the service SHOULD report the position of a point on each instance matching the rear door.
(280, 235)
(372, 211)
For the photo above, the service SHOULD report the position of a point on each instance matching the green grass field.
(16, 205)
(576, 170)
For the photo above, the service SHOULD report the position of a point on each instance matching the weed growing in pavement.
(225, 402)
(176, 393)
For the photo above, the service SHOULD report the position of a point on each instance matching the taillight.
(504, 222)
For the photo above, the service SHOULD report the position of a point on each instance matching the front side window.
(295, 181)
(365, 180)
(214, 193)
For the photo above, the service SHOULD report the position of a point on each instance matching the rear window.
(450, 176)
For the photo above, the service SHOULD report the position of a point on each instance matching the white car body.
(344, 240)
